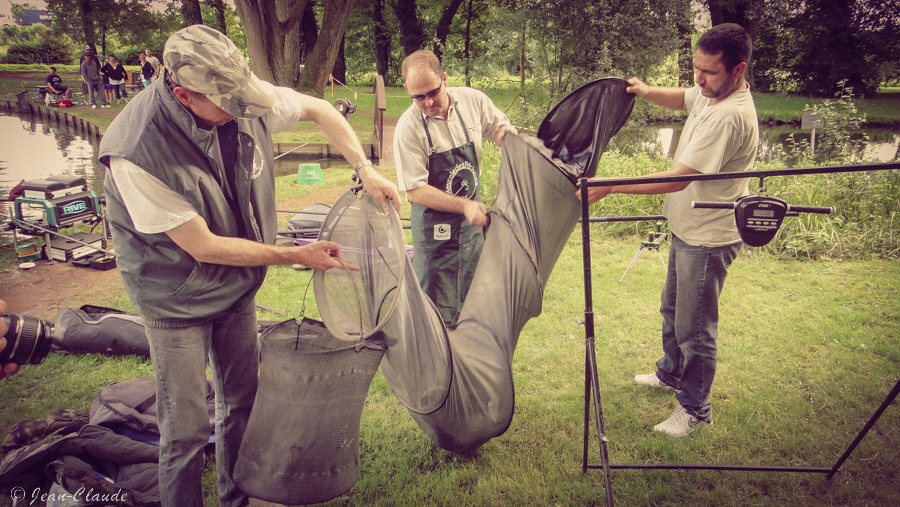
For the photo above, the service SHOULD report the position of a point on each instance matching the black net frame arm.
(591, 387)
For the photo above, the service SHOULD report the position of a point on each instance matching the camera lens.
(28, 340)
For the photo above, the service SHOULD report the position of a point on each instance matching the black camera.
(28, 340)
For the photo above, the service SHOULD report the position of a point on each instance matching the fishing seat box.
(64, 249)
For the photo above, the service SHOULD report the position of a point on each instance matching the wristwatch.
(362, 164)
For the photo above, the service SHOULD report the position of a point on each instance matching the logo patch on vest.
(442, 232)
(258, 162)
(462, 181)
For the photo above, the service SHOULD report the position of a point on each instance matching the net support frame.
(591, 377)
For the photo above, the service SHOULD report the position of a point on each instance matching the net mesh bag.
(301, 444)
(464, 398)
(383, 298)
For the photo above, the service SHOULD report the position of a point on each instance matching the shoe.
(652, 380)
(681, 424)
(93, 106)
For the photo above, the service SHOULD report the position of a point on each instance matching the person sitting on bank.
(54, 84)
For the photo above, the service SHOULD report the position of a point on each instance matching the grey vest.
(165, 284)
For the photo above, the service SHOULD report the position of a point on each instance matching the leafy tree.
(823, 42)
(412, 30)
(190, 11)
(129, 22)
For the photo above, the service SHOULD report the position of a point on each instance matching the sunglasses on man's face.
(430, 95)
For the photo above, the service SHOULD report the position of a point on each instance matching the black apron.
(447, 246)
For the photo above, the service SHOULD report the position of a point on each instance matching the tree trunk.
(219, 6)
(309, 30)
(190, 11)
(412, 34)
(382, 41)
(522, 60)
(340, 65)
(273, 38)
(321, 61)
(443, 27)
(87, 23)
(685, 52)
(468, 41)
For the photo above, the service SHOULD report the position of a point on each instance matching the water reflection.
(33, 150)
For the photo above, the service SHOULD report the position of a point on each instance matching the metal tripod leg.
(662, 260)
(633, 262)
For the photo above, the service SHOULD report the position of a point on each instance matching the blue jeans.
(179, 357)
(690, 310)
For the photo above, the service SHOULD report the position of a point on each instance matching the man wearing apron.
(437, 149)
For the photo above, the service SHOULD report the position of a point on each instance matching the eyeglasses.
(430, 95)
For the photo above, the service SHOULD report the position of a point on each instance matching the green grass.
(807, 351)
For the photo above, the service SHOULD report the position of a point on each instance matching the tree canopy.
(556, 45)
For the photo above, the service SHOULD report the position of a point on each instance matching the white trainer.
(653, 381)
(681, 424)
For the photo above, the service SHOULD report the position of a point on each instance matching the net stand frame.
(591, 377)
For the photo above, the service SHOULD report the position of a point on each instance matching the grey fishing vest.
(165, 284)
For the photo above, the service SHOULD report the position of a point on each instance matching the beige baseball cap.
(205, 61)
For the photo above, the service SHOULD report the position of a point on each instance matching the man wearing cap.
(190, 193)
(87, 53)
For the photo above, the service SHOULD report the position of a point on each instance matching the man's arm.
(195, 238)
(433, 198)
(339, 132)
(672, 98)
(597, 193)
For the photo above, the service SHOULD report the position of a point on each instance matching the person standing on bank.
(190, 193)
(154, 62)
(116, 74)
(721, 134)
(87, 53)
(437, 149)
(90, 74)
(146, 70)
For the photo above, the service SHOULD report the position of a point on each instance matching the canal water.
(33, 149)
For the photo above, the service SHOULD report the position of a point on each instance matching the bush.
(47, 51)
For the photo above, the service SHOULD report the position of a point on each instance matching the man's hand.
(323, 255)
(8, 368)
(594, 193)
(637, 87)
(380, 187)
(476, 213)
(501, 134)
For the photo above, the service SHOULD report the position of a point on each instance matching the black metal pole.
(887, 401)
(589, 345)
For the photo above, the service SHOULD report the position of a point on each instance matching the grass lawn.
(808, 350)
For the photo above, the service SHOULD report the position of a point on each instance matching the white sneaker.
(681, 424)
(93, 106)
(653, 381)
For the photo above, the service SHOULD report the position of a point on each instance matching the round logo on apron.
(462, 182)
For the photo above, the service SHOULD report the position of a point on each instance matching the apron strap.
(431, 148)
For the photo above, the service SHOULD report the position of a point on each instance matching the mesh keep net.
(458, 385)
